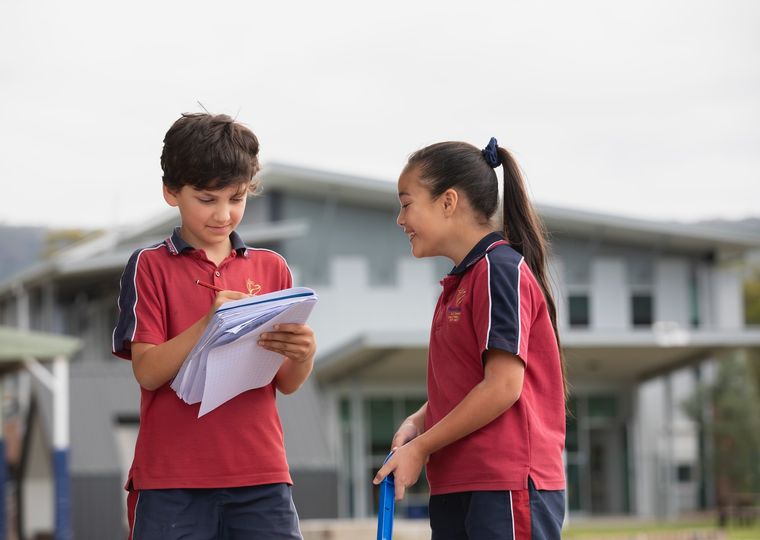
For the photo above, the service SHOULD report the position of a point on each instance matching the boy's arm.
(296, 342)
(155, 365)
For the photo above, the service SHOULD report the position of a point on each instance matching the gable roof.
(378, 193)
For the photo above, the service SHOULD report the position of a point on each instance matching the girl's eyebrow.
(402, 193)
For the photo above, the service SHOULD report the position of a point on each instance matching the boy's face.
(209, 215)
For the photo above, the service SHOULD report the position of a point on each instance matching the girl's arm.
(155, 365)
(410, 428)
(497, 392)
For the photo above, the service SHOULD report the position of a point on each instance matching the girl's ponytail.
(525, 232)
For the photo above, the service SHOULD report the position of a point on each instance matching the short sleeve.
(141, 307)
(502, 306)
(287, 275)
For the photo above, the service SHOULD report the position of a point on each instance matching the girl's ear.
(449, 201)
(170, 197)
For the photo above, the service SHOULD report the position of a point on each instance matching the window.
(384, 417)
(641, 309)
(694, 297)
(577, 275)
(684, 473)
(602, 406)
(579, 310)
(640, 276)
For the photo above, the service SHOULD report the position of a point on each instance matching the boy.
(223, 475)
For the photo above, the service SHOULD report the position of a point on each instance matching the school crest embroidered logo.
(253, 287)
(455, 312)
(459, 298)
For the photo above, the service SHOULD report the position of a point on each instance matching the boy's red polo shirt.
(492, 300)
(240, 443)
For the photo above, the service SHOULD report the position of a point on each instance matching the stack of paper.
(227, 360)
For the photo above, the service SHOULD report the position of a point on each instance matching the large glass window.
(383, 416)
(596, 453)
(602, 406)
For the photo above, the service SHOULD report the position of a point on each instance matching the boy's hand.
(406, 465)
(223, 297)
(296, 341)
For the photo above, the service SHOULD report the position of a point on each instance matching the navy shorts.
(529, 514)
(262, 512)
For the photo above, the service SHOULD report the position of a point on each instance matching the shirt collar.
(486, 244)
(177, 244)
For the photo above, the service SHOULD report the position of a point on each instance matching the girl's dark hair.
(209, 151)
(463, 167)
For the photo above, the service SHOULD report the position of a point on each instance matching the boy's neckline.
(178, 244)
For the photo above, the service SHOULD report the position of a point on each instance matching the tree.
(726, 409)
(752, 299)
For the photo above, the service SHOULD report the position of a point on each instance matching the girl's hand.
(296, 341)
(405, 433)
(406, 465)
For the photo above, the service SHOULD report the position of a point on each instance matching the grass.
(592, 530)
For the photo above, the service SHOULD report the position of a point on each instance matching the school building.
(645, 308)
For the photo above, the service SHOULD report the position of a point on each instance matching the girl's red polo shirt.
(492, 300)
(240, 443)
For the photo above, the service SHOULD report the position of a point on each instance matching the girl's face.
(420, 216)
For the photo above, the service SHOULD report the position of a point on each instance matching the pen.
(208, 285)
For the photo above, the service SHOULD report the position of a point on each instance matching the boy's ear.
(449, 201)
(170, 197)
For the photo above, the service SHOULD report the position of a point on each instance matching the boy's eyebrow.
(401, 193)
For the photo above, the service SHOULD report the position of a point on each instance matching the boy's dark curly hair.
(209, 151)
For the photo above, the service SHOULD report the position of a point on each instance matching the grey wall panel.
(97, 507)
(315, 493)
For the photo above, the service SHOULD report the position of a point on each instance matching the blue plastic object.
(386, 507)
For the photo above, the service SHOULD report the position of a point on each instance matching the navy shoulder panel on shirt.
(125, 325)
(503, 267)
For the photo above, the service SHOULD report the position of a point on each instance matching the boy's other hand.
(296, 341)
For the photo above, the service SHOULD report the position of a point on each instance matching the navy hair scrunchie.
(491, 153)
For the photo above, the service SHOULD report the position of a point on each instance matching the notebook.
(227, 360)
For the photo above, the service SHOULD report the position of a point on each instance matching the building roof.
(382, 193)
(114, 247)
(18, 345)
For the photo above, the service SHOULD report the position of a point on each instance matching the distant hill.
(20, 247)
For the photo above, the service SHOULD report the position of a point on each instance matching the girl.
(493, 428)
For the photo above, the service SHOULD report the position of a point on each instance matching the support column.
(61, 448)
(671, 496)
(3, 470)
(23, 318)
(358, 455)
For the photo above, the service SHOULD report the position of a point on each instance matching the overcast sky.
(643, 108)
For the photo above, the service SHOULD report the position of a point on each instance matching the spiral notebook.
(227, 360)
